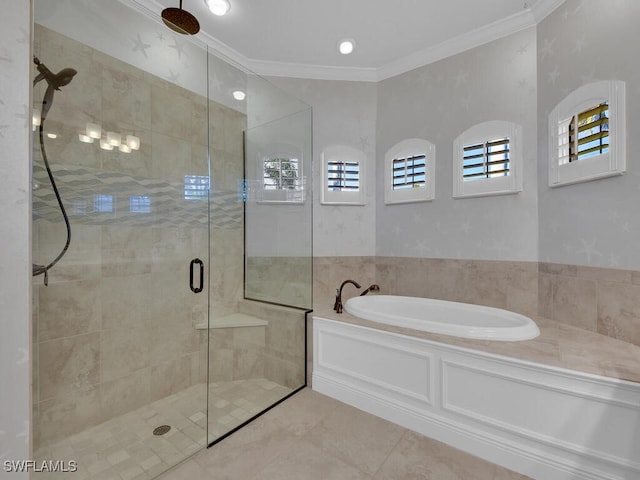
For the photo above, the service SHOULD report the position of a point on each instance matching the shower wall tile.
(171, 157)
(68, 364)
(283, 351)
(61, 416)
(71, 308)
(126, 97)
(199, 120)
(170, 377)
(171, 342)
(125, 394)
(248, 363)
(123, 351)
(125, 302)
(221, 364)
(170, 111)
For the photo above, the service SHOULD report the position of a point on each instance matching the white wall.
(594, 223)
(496, 81)
(15, 222)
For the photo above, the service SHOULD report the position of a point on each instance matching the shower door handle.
(194, 262)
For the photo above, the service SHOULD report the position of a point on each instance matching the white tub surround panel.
(545, 422)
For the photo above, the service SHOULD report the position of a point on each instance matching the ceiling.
(300, 37)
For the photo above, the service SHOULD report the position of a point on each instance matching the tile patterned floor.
(311, 436)
(124, 448)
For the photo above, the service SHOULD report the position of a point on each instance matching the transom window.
(486, 160)
(409, 172)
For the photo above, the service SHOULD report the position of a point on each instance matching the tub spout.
(373, 288)
(337, 306)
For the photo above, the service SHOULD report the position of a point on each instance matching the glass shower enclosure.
(177, 312)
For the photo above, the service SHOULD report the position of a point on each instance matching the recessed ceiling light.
(218, 7)
(346, 46)
(239, 95)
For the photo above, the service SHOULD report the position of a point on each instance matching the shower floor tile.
(124, 448)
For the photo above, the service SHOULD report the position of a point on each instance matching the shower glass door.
(260, 141)
(120, 331)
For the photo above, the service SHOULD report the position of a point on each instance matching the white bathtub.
(447, 318)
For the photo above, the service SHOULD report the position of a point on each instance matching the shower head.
(54, 82)
(180, 20)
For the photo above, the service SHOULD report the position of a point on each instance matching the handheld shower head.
(54, 82)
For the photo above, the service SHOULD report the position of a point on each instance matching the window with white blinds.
(488, 160)
(343, 176)
(586, 134)
(281, 173)
(409, 171)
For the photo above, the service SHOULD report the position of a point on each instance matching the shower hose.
(44, 269)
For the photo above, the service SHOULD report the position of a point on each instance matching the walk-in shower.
(176, 314)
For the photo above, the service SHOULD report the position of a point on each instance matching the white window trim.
(342, 153)
(604, 165)
(481, 133)
(409, 148)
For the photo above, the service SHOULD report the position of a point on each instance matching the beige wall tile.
(125, 302)
(558, 269)
(126, 393)
(248, 363)
(62, 416)
(170, 377)
(68, 364)
(619, 311)
(67, 309)
(574, 302)
(604, 274)
(123, 351)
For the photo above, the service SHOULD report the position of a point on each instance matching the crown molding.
(493, 31)
(317, 72)
(543, 8)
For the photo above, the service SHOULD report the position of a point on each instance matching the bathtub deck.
(558, 345)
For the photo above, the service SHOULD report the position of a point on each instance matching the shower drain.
(161, 430)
